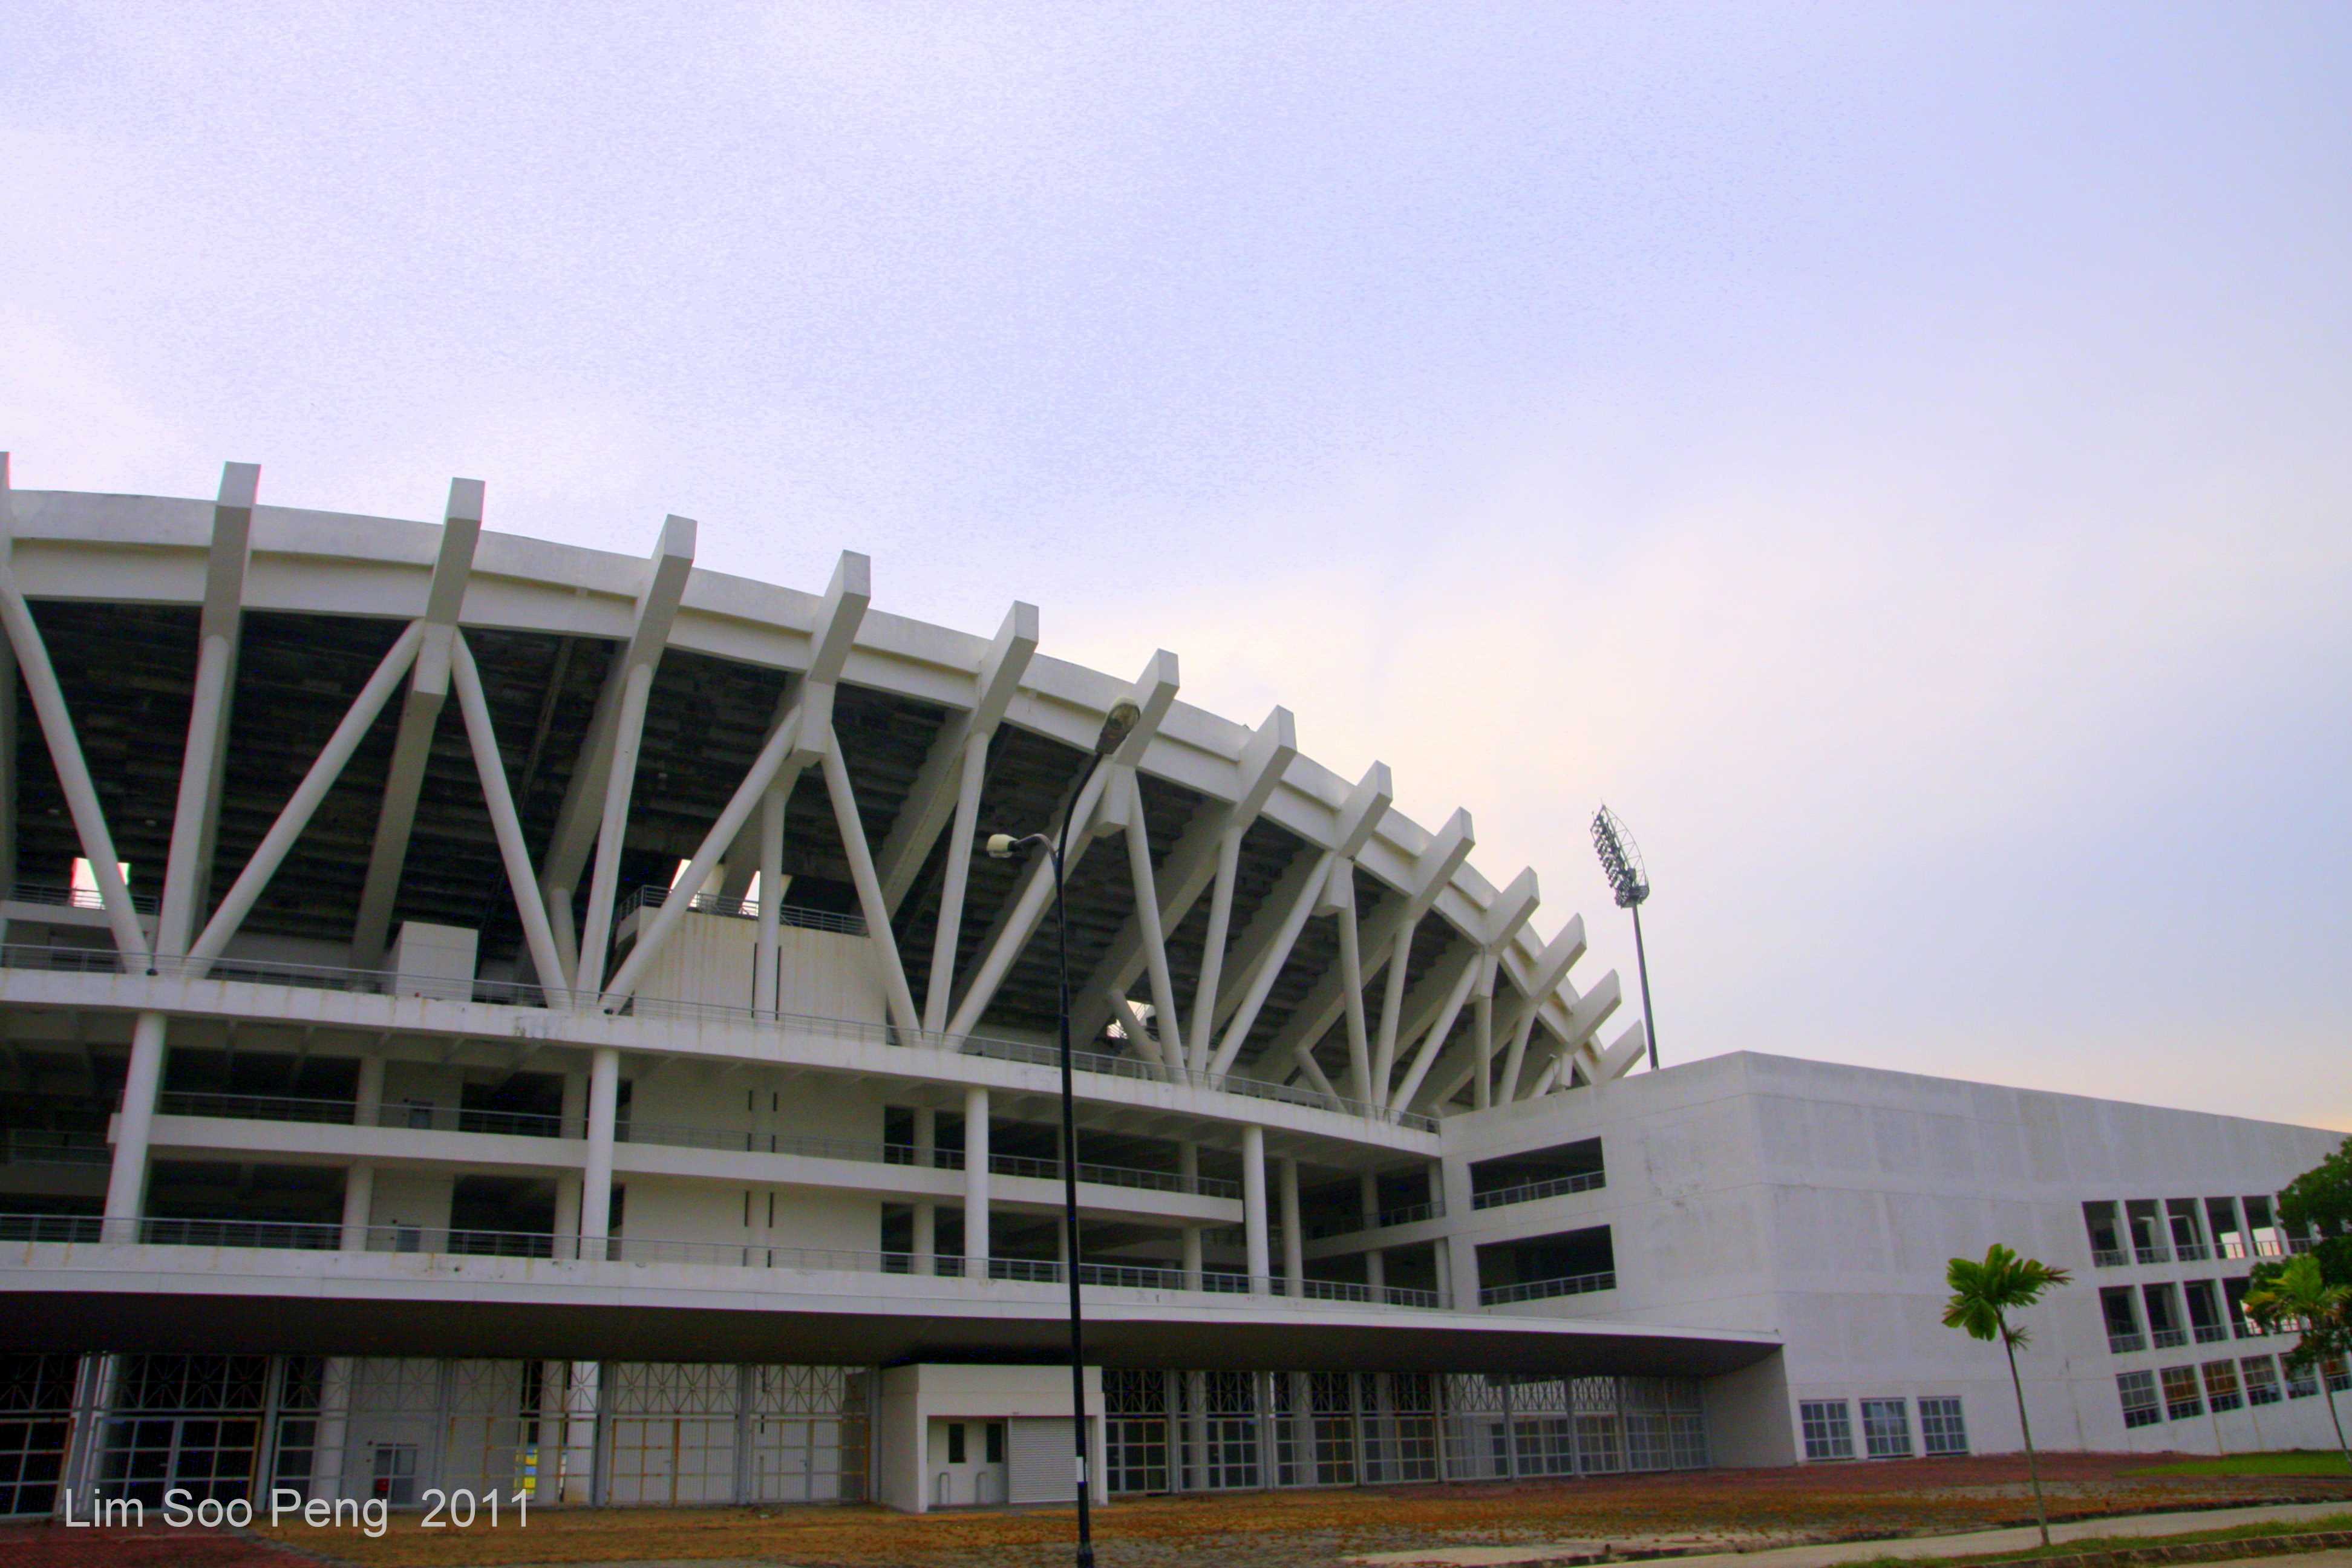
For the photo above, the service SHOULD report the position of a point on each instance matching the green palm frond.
(1985, 1291)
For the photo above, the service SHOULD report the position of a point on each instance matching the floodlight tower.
(1620, 862)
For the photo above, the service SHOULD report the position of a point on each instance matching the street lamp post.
(1117, 726)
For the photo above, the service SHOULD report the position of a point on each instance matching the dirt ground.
(1720, 1509)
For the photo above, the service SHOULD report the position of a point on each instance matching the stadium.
(485, 1013)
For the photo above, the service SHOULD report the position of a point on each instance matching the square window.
(2302, 1382)
(2137, 1391)
(1828, 1428)
(2181, 1399)
(1887, 1429)
(1941, 1427)
(2260, 1376)
(2221, 1385)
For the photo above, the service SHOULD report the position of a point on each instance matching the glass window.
(2222, 1218)
(2106, 1233)
(2338, 1378)
(1887, 1429)
(1828, 1428)
(2260, 1373)
(2221, 1384)
(2181, 1399)
(2137, 1391)
(1941, 1428)
(955, 1442)
(996, 1442)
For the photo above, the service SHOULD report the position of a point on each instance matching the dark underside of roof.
(127, 671)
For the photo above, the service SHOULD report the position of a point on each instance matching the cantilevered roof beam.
(196, 818)
(1190, 868)
(934, 795)
(588, 798)
(1518, 1020)
(1154, 692)
(800, 737)
(65, 746)
(420, 711)
(1501, 924)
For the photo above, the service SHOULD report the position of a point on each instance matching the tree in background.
(2297, 1295)
(2321, 1199)
(1983, 1296)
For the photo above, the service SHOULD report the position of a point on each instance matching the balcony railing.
(1406, 1214)
(422, 1117)
(1542, 1289)
(2124, 1345)
(2191, 1251)
(2167, 1339)
(2212, 1333)
(2153, 1254)
(1582, 1181)
(706, 902)
(41, 1146)
(2108, 1257)
(70, 898)
(275, 1236)
(514, 994)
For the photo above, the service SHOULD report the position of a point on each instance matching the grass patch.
(2080, 1545)
(2281, 1462)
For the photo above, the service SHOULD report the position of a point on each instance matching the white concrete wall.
(916, 1398)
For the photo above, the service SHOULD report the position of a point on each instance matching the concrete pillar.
(772, 896)
(1254, 1216)
(567, 1187)
(925, 1244)
(1196, 1429)
(1192, 1257)
(976, 1183)
(126, 1185)
(1293, 1234)
(358, 1182)
(1188, 1165)
(1368, 1199)
(596, 1181)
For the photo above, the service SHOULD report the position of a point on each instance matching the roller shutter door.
(1041, 1457)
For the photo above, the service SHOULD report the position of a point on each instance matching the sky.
(1898, 457)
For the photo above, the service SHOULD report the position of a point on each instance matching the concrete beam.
(932, 799)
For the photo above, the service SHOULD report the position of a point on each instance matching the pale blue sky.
(1900, 456)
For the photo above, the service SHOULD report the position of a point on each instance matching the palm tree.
(2299, 1294)
(1983, 1295)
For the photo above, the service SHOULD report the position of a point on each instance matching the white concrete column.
(359, 1181)
(1368, 1199)
(1253, 1216)
(1188, 1168)
(126, 1185)
(1196, 1428)
(334, 1428)
(1482, 1015)
(596, 1180)
(976, 1183)
(574, 1115)
(1293, 1234)
(771, 897)
(359, 1204)
(925, 1245)
(1376, 1271)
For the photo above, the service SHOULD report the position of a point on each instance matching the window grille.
(1887, 1429)
(2137, 1391)
(1828, 1428)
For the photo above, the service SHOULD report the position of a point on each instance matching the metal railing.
(2107, 1257)
(2168, 1339)
(1542, 1289)
(64, 897)
(653, 896)
(2123, 1344)
(2153, 1254)
(1408, 1214)
(514, 994)
(2191, 1251)
(1582, 1181)
(43, 1146)
(278, 1235)
(2209, 1333)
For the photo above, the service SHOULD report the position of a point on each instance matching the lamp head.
(1117, 724)
(1000, 846)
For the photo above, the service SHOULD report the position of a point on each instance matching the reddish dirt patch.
(55, 1546)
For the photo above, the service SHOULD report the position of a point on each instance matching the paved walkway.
(1829, 1555)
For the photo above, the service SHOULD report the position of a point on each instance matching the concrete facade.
(485, 1013)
